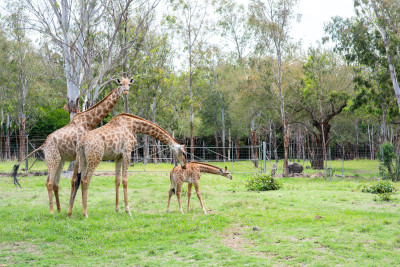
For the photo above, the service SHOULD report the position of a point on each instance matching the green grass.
(355, 229)
(360, 168)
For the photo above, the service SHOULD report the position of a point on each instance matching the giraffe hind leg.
(56, 184)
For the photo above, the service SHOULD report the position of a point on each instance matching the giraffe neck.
(91, 117)
(207, 168)
(142, 126)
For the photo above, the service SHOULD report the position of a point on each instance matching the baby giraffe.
(191, 175)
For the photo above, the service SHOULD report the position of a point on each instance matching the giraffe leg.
(196, 187)
(189, 194)
(53, 160)
(118, 163)
(56, 184)
(85, 187)
(125, 165)
(74, 183)
(169, 197)
(49, 185)
(178, 195)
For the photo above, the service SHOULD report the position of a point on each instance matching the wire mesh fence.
(347, 160)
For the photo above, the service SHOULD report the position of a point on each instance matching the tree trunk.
(145, 149)
(154, 150)
(286, 149)
(275, 145)
(216, 146)
(21, 153)
(7, 144)
(223, 132)
(230, 144)
(1, 136)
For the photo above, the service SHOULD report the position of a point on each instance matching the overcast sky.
(314, 14)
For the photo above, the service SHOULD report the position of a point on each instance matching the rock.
(295, 167)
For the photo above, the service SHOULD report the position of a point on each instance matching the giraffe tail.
(80, 155)
(16, 166)
(14, 175)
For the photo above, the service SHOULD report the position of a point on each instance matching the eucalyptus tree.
(363, 47)
(192, 26)
(327, 86)
(271, 20)
(233, 26)
(383, 17)
(86, 31)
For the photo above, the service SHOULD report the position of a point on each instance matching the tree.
(89, 53)
(192, 28)
(363, 47)
(383, 16)
(271, 23)
(327, 85)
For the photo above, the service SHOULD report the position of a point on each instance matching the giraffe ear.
(226, 169)
(118, 81)
(131, 81)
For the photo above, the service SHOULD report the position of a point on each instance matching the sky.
(314, 14)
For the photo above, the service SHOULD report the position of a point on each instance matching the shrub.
(387, 157)
(263, 182)
(384, 189)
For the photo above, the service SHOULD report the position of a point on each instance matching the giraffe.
(191, 175)
(115, 141)
(60, 146)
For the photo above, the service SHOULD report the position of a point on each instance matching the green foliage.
(384, 189)
(50, 121)
(387, 156)
(263, 182)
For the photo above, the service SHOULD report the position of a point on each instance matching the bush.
(384, 188)
(263, 182)
(387, 157)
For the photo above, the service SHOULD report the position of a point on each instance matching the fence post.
(304, 167)
(342, 161)
(232, 154)
(383, 164)
(204, 152)
(264, 157)
(330, 165)
(27, 149)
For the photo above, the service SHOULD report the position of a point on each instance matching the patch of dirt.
(233, 238)
(8, 174)
(18, 247)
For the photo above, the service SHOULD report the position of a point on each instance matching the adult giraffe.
(115, 141)
(60, 146)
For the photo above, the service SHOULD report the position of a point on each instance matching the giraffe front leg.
(178, 195)
(118, 163)
(189, 194)
(125, 165)
(56, 184)
(196, 187)
(49, 185)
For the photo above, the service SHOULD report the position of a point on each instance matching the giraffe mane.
(141, 119)
(97, 104)
(205, 164)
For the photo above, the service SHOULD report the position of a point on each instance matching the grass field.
(361, 168)
(309, 222)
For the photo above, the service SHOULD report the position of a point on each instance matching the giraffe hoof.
(85, 216)
(128, 212)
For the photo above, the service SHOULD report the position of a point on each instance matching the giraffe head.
(179, 152)
(125, 82)
(225, 173)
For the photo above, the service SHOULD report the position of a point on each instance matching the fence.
(341, 160)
